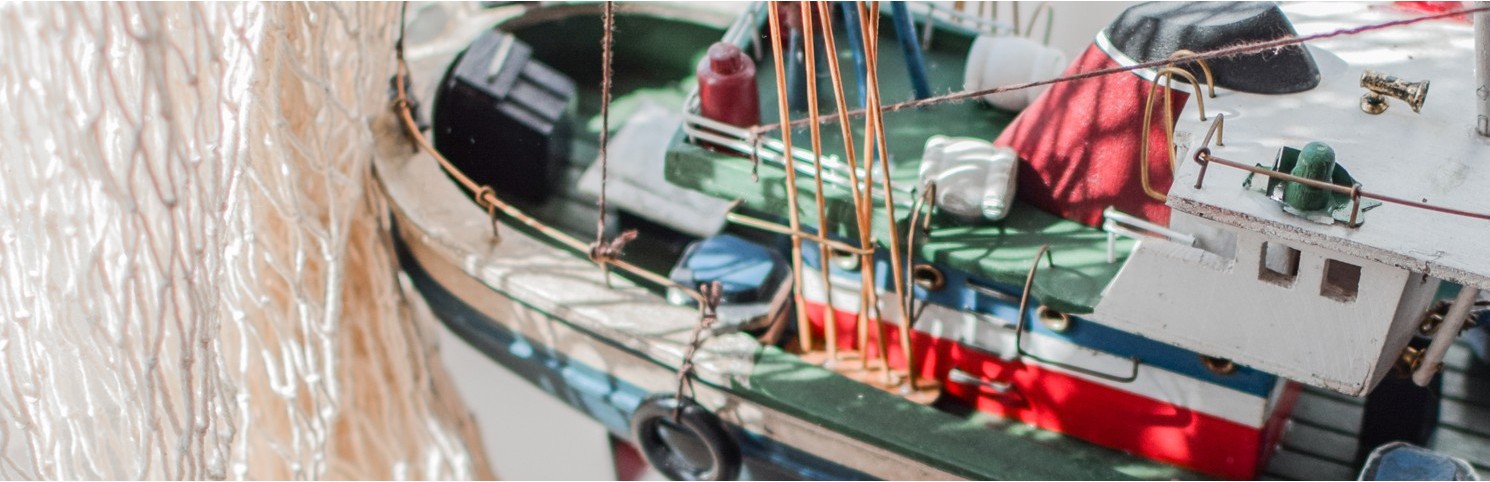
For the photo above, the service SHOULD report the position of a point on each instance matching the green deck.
(973, 445)
(1000, 252)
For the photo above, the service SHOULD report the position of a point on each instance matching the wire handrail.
(1118, 223)
(1205, 158)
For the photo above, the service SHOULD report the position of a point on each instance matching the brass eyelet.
(1217, 365)
(1055, 320)
(1410, 359)
(928, 277)
(845, 260)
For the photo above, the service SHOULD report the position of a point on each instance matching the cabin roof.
(1433, 156)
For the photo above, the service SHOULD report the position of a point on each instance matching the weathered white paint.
(1432, 156)
(1221, 307)
(996, 336)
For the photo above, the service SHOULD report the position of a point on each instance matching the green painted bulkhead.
(1001, 251)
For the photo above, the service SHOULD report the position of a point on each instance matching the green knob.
(1316, 162)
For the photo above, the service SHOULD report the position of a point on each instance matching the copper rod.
(870, 30)
(804, 329)
(830, 315)
(861, 218)
(896, 269)
(1204, 156)
(779, 229)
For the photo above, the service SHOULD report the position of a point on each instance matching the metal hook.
(1205, 67)
(1019, 350)
(486, 197)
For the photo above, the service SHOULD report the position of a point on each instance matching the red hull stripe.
(1083, 406)
(1063, 403)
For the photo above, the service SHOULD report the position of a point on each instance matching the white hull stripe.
(991, 334)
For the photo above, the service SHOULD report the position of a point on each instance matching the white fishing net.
(194, 278)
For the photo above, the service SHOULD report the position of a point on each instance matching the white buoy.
(974, 180)
(1002, 60)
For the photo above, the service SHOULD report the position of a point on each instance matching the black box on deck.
(503, 117)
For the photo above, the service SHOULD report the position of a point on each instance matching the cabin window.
(1280, 263)
(1341, 280)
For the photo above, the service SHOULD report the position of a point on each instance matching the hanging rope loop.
(708, 306)
(486, 197)
(606, 252)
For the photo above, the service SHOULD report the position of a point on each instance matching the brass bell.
(1379, 86)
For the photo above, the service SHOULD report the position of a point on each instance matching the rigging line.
(1204, 157)
(804, 329)
(868, 39)
(708, 310)
(830, 316)
(884, 160)
(403, 15)
(1240, 49)
(487, 198)
(603, 252)
(867, 293)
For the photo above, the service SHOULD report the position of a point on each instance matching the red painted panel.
(1080, 145)
(1080, 408)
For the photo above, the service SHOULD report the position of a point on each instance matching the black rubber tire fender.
(698, 426)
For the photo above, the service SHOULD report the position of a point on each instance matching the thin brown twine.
(604, 252)
(1235, 50)
(487, 198)
(708, 307)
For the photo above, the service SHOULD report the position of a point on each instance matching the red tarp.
(1079, 142)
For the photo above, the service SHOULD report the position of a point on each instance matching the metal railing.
(1118, 223)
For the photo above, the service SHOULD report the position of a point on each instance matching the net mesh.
(195, 280)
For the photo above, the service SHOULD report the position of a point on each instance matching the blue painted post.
(856, 46)
(906, 31)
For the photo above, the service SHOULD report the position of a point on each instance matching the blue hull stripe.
(957, 295)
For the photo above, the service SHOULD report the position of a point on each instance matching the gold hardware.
(928, 277)
(1410, 359)
(1167, 73)
(1217, 365)
(1055, 320)
(1379, 86)
(1430, 323)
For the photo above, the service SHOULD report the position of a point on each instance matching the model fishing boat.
(815, 270)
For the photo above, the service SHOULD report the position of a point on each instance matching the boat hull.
(604, 381)
(1158, 414)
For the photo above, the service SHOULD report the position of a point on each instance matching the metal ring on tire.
(695, 446)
